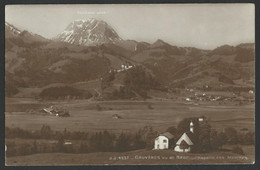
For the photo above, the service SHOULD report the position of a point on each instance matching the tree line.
(206, 139)
(82, 142)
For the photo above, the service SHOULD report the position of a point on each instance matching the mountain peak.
(158, 43)
(88, 32)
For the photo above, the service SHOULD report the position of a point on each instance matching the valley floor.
(87, 115)
(90, 116)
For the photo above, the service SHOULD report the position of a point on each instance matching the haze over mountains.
(89, 49)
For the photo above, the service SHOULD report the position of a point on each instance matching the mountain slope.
(13, 32)
(37, 63)
(93, 49)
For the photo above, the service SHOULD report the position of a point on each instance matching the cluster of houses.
(165, 140)
(203, 96)
(124, 67)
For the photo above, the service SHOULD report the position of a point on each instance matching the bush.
(238, 150)
(225, 79)
(149, 106)
(232, 135)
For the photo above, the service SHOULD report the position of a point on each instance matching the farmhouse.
(54, 111)
(186, 141)
(116, 116)
(163, 141)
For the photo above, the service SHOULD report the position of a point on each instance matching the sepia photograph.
(129, 84)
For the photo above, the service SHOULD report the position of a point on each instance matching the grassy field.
(160, 114)
(135, 114)
(144, 157)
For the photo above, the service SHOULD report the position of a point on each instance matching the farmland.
(134, 115)
(94, 116)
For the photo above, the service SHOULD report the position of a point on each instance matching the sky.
(204, 26)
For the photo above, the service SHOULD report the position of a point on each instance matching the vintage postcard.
(147, 84)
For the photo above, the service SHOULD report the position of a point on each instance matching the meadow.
(138, 157)
(93, 116)
(88, 115)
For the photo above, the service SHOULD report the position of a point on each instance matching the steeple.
(191, 127)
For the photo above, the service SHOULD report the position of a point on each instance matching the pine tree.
(60, 144)
(138, 143)
(122, 143)
(35, 147)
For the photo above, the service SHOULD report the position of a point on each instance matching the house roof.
(167, 135)
(48, 109)
(188, 137)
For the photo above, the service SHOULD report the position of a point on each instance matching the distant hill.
(15, 36)
(90, 49)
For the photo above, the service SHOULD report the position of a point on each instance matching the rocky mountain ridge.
(88, 32)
